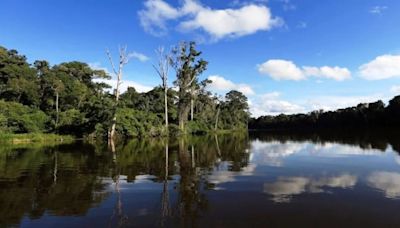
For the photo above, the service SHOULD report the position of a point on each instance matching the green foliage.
(134, 123)
(66, 99)
(235, 111)
(188, 66)
(71, 121)
(18, 81)
(22, 119)
(197, 127)
(3, 123)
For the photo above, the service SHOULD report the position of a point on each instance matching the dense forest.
(363, 116)
(72, 98)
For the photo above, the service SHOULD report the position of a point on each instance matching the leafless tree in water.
(124, 58)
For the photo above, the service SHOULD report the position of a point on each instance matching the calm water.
(256, 180)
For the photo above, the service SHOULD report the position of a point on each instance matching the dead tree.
(162, 71)
(123, 60)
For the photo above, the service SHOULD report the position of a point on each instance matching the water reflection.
(388, 182)
(285, 187)
(199, 181)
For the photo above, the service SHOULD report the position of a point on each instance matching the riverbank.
(34, 137)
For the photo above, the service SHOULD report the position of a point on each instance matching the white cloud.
(388, 182)
(125, 84)
(280, 69)
(139, 56)
(336, 73)
(221, 84)
(218, 23)
(382, 67)
(232, 22)
(395, 89)
(377, 9)
(153, 17)
(336, 102)
(271, 104)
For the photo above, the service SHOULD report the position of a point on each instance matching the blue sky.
(287, 55)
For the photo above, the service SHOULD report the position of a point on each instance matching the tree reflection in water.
(174, 176)
(165, 206)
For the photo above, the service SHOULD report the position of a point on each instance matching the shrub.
(18, 118)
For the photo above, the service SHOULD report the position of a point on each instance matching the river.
(239, 180)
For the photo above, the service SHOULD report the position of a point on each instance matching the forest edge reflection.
(68, 180)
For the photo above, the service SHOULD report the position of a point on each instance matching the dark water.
(255, 180)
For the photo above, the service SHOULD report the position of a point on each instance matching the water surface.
(259, 180)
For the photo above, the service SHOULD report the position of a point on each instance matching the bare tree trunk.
(114, 120)
(191, 108)
(57, 111)
(165, 208)
(166, 106)
(55, 171)
(217, 145)
(183, 116)
(162, 70)
(216, 120)
(123, 60)
(193, 162)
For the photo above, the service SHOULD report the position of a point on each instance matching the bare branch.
(111, 62)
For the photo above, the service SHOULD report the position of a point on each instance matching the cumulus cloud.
(155, 14)
(388, 182)
(219, 83)
(286, 187)
(218, 23)
(382, 67)
(272, 104)
(232, 22)
(335, 73)
(280, 69)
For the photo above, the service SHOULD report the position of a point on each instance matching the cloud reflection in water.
(286, 187)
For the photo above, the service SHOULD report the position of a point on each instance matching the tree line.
(72, 98)
(363, 116)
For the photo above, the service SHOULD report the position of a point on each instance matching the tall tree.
(162, 71)
(188, 67)
(123, 60)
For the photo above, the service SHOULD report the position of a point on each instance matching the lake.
(241, 180)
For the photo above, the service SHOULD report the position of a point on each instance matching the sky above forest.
(286, 56)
